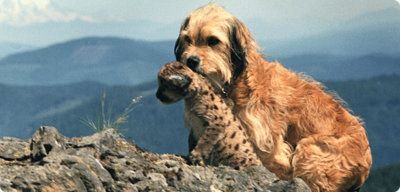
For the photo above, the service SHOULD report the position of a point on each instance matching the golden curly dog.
(298, 130)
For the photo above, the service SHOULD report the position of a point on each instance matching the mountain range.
(8, 48)
(374, 32)
(107, 60)
(121, 61)
(363, 47)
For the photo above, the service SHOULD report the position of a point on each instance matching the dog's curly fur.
(298, 129)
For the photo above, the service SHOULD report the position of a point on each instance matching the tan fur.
(218, 136)
(298, 129)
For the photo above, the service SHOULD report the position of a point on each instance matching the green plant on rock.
(104, 121)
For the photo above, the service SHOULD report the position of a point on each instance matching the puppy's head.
(214, 43)
(174, 80)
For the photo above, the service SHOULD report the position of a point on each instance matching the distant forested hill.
(108, 60)
(123, 61)
(377, 101)
(384, 179)
(22, 105)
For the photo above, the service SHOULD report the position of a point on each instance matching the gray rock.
(45, 140)
(14, 149)
(105, 162)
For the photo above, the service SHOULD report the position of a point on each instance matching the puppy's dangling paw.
(196, 158)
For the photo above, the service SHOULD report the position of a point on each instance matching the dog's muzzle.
(193, 63)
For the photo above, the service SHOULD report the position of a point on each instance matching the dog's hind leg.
(326, 163)
(279, 160)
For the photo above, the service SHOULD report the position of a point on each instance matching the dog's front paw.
(196, 158)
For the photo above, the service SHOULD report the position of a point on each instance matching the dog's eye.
(188, 40)
(212, 41)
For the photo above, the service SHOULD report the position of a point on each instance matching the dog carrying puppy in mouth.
(298, 130)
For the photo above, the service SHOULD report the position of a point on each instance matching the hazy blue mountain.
(377, 101)
(22, 105)
(384, 179)
(7, 48)
(118, 61)
(378, 39)
(371, 33)
(363, 47)
(339, 68)
(107, 60)
(63, 31)
(385, 16)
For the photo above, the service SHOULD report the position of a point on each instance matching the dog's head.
(214, 43)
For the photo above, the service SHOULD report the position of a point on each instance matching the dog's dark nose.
(193, 62)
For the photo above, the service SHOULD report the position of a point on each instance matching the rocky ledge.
(50, 161)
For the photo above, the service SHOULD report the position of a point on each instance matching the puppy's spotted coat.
(217, 137)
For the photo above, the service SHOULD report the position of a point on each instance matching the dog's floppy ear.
(239, 45)
(178, 50)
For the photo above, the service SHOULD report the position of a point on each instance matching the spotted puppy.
(217, 137)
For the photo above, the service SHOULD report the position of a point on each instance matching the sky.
(18, 17)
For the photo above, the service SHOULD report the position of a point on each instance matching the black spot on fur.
(215, 107)
(240, 128)
(212, 97)
(221, 150)
(229, 146)
(205, 93)
(237, 147)
(243, 162)
(237, 167)
(206, 124)
(244, 141)
(221, 118)
(210, 129)
(233, 135)
(229, 156)
(179, 67)
(246, 151)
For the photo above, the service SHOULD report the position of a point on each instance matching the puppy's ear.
(178, 50)
(239, 47)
